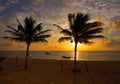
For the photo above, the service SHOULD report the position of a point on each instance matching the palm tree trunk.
(75, 57)
(27, 54)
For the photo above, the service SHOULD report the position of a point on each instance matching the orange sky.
(55, 46)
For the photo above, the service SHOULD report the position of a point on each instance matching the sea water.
(57, 55)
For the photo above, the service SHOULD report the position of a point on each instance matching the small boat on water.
(66, 57)
(47, 53)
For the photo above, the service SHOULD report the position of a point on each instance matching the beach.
(43, 71)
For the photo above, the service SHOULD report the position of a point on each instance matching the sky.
(56, 11)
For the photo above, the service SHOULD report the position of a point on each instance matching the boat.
(66, 57)
(47, 53)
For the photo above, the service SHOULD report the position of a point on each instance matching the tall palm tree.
(27, 33)
(80, 31)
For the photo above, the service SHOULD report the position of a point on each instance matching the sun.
(73, 44)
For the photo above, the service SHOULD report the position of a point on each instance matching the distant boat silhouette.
(47, 53)
(66, 57)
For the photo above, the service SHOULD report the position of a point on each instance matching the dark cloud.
(51, 8)
(5, 4)
(117, 17)
(113, 42)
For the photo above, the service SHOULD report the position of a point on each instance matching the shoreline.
(63, 59)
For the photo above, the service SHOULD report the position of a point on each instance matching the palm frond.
(90, 26)
(15, 38)
(86, 17)
(39, 40)
(81, 18)
(71, 18)
(92, 37)
(97, 36)
(64, 39)
(6, 37)
(93, 31)
(66, 32)
(29, 25)
(43, 36)
(87, 42)
(38, 28)
(13, 29)
(45, 31)
(20, 27)
(58, 26)
(13, 33)
(18, 21)
(79, 23)
(40, 33)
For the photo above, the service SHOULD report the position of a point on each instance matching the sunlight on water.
(83, 55)
(77, 56)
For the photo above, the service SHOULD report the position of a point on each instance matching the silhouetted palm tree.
(80, 31)
(28, 33)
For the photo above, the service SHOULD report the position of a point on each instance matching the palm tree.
(28, 33)
(80, 31)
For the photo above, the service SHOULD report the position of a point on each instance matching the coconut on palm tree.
(80, 31)
(27, 33)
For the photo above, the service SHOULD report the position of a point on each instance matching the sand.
(50, 72)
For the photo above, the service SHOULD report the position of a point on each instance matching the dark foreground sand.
(50, 72)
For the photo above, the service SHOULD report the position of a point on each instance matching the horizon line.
(65, 50)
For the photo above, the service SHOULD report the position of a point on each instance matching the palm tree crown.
(80, 30)
(28, 33)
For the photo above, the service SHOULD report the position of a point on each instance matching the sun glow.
(80, 46)
(73, 44)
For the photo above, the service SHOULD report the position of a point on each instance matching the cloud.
(10, 45)
(102, 8)
(39, 1)
(2, 28)
(113, 42)
(117, 17)
(13, 1)
(2, 25)
(105, 22)
(2, 8)
(5, 43)
(20, 16)
(4, 4)
(115, 26)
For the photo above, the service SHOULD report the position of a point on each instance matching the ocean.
(57, 55)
